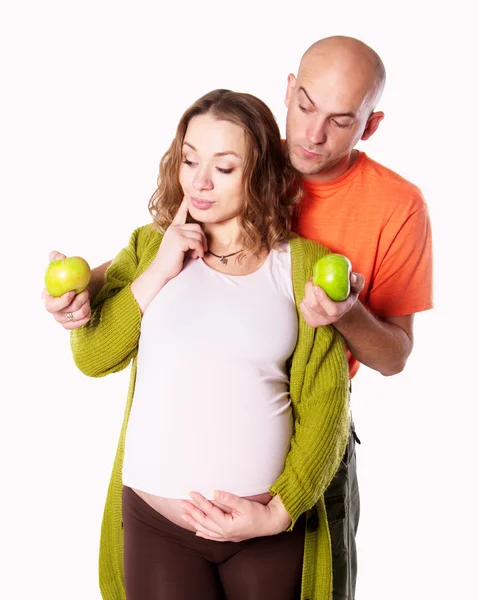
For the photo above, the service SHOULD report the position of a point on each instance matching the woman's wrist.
(280, 518)
(146, 286)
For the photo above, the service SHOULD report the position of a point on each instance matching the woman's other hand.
(180, 237)
(70, 310)
(231, 518)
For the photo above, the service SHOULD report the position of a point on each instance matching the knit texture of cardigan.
(319, 398)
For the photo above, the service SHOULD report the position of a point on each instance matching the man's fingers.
(182, 214)
(308, 315)
(323, 304)
(321, 297)
(357, 282)
(55, 255)
(315, 297)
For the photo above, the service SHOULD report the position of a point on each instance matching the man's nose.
(317, 132)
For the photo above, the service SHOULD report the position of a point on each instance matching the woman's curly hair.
(272, 186)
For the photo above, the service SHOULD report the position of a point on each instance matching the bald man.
(356, 207)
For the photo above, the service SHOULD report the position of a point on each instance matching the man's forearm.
(378, 344)
(97, 279)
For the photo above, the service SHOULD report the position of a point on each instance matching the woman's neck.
(224, 238)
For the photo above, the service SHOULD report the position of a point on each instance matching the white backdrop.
(91, 95)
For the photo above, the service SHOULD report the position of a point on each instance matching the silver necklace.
(224, 257)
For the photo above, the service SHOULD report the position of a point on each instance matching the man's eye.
(342, 125)
(302, 108)
(225, 171)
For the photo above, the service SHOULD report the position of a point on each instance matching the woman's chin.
(202, 216)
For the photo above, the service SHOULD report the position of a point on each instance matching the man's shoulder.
(390, 180)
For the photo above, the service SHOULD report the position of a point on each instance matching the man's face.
(327, 115)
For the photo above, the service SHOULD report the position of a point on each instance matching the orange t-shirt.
(380, 222)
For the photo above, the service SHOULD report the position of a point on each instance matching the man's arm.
(381, 344)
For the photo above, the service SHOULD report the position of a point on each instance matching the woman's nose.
(202, 182)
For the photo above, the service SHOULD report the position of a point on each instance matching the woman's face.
(211, 174)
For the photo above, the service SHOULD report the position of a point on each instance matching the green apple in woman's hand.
(66, 275)
(332, 273)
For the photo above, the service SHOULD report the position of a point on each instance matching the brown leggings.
(163, 561)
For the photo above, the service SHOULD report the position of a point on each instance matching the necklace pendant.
(224, 260)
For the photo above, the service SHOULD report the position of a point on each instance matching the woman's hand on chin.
(234, 519)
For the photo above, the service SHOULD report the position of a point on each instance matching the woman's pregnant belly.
(234, 440)
(171, 509)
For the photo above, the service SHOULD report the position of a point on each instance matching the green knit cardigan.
(319, 397)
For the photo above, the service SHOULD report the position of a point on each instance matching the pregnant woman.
(231, 390)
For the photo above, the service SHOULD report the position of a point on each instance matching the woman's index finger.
(182, 214)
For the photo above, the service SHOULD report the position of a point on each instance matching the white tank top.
(211, 408)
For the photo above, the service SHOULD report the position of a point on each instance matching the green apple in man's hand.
(66, 275)
(332, 273)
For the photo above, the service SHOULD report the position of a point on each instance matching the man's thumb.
(54, 255)
(357, 282)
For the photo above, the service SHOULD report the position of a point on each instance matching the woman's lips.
(201, 204)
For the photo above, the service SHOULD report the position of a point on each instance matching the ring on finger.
(70, 317)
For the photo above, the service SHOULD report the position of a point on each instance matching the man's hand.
(231, 518)
(70, 310)
(318, 309)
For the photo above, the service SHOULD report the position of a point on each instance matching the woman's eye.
(187, 162)
(302, 108)
(225, 171)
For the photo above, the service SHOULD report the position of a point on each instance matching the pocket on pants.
(336, 511)
(337, 521)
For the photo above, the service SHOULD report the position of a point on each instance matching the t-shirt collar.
(343, 179)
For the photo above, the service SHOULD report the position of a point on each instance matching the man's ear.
(290, 89)
(372, 124)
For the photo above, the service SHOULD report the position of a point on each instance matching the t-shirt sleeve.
(403, 279)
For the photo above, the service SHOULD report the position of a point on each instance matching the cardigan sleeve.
(321, 419)
(107, 343)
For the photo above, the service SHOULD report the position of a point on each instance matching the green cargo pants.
(342, 506)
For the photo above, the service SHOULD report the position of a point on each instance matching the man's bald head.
(352, 61)
(331, 105)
